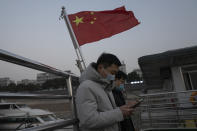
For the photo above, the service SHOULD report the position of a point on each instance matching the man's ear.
(99, 67)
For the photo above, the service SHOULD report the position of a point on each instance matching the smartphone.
(137, 104)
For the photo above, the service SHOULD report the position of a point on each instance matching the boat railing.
(167, 110)
(22, 61)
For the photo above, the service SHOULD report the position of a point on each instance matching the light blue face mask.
(110, 77)
(121, 87)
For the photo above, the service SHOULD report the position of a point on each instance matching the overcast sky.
(31, 28)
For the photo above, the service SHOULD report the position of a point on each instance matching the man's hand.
(132, 103)
(126, 110)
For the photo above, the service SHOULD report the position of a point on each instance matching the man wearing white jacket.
(95, 103)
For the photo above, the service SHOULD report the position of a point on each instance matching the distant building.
(139, 72)
(27, 81)
(5, 81)
(43, 77)
(123, 67)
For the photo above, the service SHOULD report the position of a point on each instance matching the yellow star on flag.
(78, 20)
(92, 22)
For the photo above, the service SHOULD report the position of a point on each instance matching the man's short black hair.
(120, 75)
(107, 60)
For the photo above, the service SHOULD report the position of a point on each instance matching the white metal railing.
(167, 110)
(19, 60)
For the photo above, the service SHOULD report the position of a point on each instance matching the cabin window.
(18, 120)
(190, 77)
(5, 107)
(46, 118)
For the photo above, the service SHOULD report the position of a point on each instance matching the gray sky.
(31, 28)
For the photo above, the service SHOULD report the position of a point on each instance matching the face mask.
(121, 87)
(110, 77)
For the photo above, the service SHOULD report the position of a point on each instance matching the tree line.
(55, 84)
(47, 85)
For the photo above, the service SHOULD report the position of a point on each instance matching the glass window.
(190, 77)
(46, 118)
(4, 106)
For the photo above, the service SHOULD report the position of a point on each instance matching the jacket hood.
(91, 74)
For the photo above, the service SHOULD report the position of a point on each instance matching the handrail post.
(72, 101)
(140, 119)
(149, 111)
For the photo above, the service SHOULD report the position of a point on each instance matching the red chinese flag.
(90, 26)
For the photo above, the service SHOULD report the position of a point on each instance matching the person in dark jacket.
(120, 77)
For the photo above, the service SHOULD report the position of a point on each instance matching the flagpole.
(75, 42)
